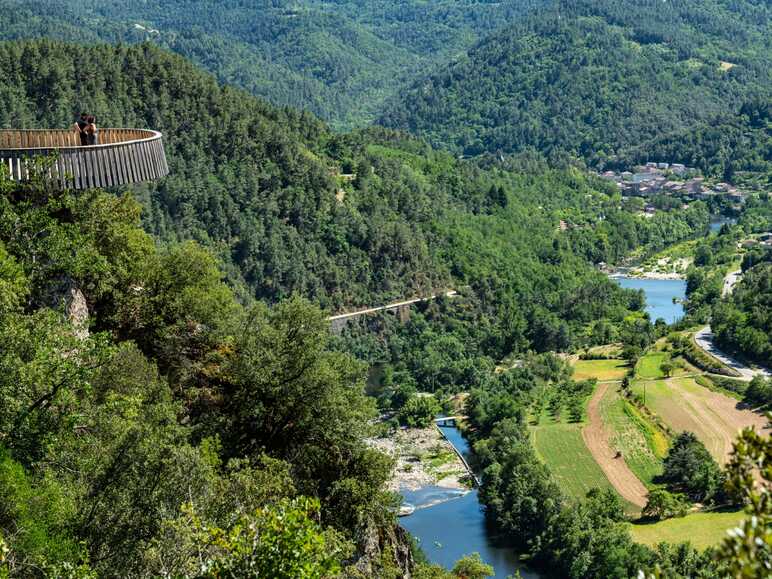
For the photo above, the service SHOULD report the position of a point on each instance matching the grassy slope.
(642, 444)
(648, 365)
(713, 417)
(666, 399)
(560, 444)
(700, 529)
(600, 369)
(562, 449)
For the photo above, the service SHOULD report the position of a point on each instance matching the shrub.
(759, 392)
(419, 411)
(664, 505)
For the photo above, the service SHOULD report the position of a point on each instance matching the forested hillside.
(744, 322)
(338, 59)
(252, 181)
(738, 315)
(595, 78)
(291, 207)
(727, 147)
(154, 430)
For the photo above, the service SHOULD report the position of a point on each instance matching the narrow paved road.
(704, 339)
(342, 316)
(730, 281)
(616, 470)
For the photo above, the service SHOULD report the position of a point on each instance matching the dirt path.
(616, 470)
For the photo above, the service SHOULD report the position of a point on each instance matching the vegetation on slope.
(175, 414)
(267, 190)
(729, 147)
(594, 78)
(744, 321)
(179, 378)
(339, 60)
(739, 318)
(703, 529)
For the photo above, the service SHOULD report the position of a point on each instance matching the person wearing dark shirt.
(80, 127)
(91, 130)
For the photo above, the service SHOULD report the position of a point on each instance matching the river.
(718, 221)
(659, 296)
(456, 527)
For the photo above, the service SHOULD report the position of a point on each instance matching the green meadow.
(562, 449)
(702, 530)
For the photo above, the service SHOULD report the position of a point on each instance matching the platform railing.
(121, 157)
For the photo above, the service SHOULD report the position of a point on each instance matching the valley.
(418, 289)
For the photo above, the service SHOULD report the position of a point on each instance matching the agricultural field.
(562, 449)
(701, 529)
(606, 351)
(583, 453)
(713, 417)
(601, 369)
(648, 366)
(578, 453)
(642, 444)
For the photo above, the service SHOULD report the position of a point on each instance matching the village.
(673, 179)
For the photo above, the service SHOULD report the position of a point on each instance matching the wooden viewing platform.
(122, 157)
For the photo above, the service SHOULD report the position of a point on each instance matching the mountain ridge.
(592, 78)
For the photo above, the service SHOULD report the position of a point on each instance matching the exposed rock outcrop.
(378, 543)
(64, 295)
(76, 310)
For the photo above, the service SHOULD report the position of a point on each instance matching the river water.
(717, 222)
(456, 527)
(659, 296)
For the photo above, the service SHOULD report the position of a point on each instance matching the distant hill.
(595, 77)
(340, 59)
(291, 207)
(726, 147)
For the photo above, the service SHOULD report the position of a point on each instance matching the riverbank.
(450, 525)
(641, 272)
(671, 263)
(423, 458)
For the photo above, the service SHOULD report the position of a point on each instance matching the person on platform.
(80, 128)
(91, 130)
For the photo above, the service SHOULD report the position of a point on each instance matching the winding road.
(704, 339)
